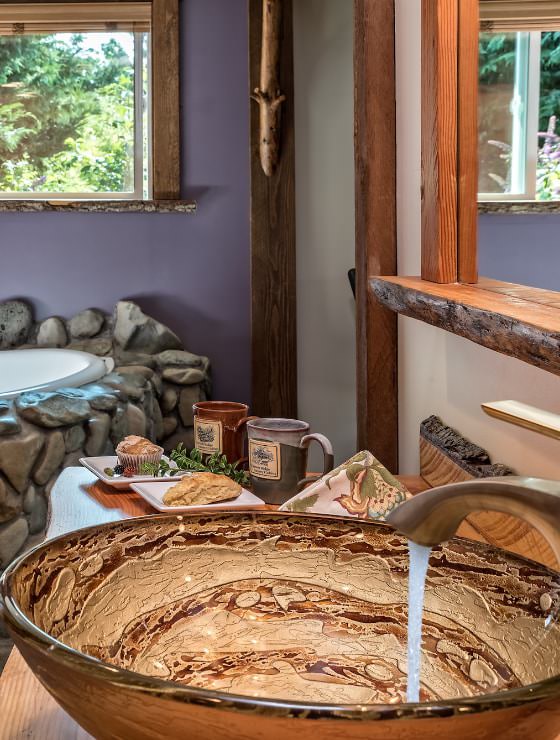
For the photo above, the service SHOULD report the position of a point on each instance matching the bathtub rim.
(96, 368)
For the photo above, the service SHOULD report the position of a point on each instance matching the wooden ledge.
(98, 206)
(511, 319)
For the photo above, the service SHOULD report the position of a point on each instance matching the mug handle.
(242, 425)
(328, 458)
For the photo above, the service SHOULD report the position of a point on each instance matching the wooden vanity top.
(78, 500)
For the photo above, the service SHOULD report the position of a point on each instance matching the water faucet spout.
(433, 517)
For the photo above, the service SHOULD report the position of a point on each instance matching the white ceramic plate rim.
(147, 490)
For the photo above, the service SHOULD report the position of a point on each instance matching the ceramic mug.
(219, 427)
(278, 457)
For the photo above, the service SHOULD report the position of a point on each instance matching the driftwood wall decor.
(268, 95)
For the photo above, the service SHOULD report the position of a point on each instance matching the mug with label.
(219, 427)
(278, 457)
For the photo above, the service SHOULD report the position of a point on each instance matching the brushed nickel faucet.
(433, 517)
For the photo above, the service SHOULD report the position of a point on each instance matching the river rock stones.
(100, 346)
(12, 538)
(98, 433)
(57, 409)
(10, 502)
(18, 456)
(102, 397)
(179, 358)
(183, 375)
(150, 392)
(86, 324)
(51, 459)
(16, 319)
(52, 333)
(9, 423)
(134, 330)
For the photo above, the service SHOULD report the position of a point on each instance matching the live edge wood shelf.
(511, 319)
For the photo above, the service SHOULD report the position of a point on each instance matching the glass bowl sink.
(244, 625)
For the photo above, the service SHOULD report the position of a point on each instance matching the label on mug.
(207, 435)
(264, 459)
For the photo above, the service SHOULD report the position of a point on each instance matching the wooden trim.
(439, 140)
(273, 240)
(376, 226)
(467, 209)
(524, 329)
(166, 133)
(525, 416)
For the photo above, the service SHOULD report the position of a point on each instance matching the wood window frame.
(165, 91)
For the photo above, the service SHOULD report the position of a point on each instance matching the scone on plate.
(200, 489)
(133, 451)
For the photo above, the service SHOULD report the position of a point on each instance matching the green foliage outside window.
(497, 58)
(66, 115)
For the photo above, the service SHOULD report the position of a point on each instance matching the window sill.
(519, 207)
(98, 206)
(514, 320)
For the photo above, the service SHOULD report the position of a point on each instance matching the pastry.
(201, 489)
(133, 451)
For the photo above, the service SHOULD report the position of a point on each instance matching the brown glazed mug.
(278, 457)
(219, 427)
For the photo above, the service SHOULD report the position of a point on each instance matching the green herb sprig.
(194, 462)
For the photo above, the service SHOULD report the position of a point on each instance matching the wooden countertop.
(79, 500)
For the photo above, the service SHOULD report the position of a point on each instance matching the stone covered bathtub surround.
(150, 392)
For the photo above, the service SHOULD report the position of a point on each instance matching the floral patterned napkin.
(361, 487)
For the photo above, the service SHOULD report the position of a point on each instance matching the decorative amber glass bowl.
(244, 625)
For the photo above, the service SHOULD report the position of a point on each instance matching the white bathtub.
(24, 370)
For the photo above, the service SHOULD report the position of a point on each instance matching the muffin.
(134, 451)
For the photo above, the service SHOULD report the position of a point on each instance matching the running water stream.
(418, 567)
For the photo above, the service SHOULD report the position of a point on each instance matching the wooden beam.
(166, 134)
(273, 239)
(439, 140)
(526, 330)
(467, 207)
(376, 230)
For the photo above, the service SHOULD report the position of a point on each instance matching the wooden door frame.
(376, 226)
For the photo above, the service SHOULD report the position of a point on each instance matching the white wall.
(438, 372)
(325, 219)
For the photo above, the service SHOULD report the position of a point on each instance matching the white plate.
(154, 492)
(97, 466)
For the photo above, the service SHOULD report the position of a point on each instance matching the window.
(519, 101)
(76, 119)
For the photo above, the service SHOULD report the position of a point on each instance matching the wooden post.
(273, 238)
(439, 140)
(376, 226)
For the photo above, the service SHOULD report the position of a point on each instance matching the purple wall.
(191, 272)
(521, 249)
